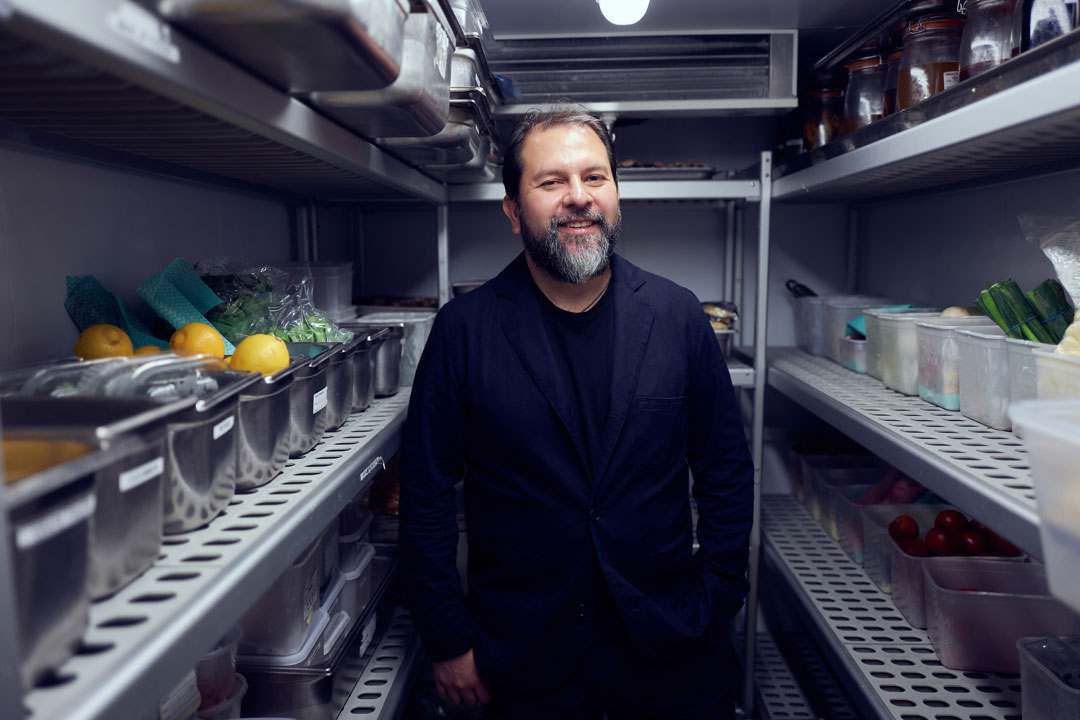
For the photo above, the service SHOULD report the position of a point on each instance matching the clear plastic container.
(332, 285)
(939, 358)
(358, 587)
(976, 610)
(817, 469)
(839, 311)
(1058, 375)
(832, 482)
(417, 328)
(864, 99)
(1040, 21)
(873, 333)
(278, 622)
(215, 672)
(931, 60)
(878, 546)
(849, 520)
(987, 40)
(1051, 430)
(900, 351)
(1023, 373)
(984, 376)
(853, 355)
(1044, 695)
(230, 707)
(814, 448)
(810, 324)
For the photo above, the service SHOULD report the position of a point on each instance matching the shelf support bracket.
(442, 214)
(729, 252)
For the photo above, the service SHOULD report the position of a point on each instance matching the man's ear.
(512, 211)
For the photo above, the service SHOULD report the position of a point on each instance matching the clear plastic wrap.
(1059, 238)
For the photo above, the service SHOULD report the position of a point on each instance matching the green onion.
(1017, 312)
(1053, 308)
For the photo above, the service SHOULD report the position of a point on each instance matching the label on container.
(56, 522)
(182, 701)
(224, 426)
(311, 597)
(366, 636)
(146, 472)
(318, 402)
(950, 79)
(141, 27)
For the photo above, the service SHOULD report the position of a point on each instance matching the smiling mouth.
(578, 224)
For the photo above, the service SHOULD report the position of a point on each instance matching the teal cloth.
(178, 295)
(89, 303)
(857, 327)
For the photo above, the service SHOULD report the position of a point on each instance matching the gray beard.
(593, 252)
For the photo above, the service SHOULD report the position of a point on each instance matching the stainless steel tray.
(262, 439)
(417, 104)
(388, 351)
(457, 143)
(302, 45)
(308, 397)
(673, 173)
(364, 368)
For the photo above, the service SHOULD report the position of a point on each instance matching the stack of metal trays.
(326, 400)
(455, 145)
(364, 367)
(302, 45)
(417, 104)
(387, 353)
(49, 500)
(473, 22)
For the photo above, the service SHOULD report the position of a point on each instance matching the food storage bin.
(279, 621)
(814, 446)
(364, 368)
(126, 531)
(350, 544)
(473, 22)
(1058, 375)
(455, 144)
(984, 376)
(878, 547)
(810, 324)
(49, 501)
(357, 589)
(900, 351)
(329, 545)
(930, 61)
(849, 520)
(228, 708)
(830, 484)
(839, 311)
(215, 672)
(939, 358)
(812, 485)
(873, 333)
(987, 40)
(308, 397)
(332, 284)
(976, 610)
(853, 355)
(417, 103)
(262, 434)
(302, 45)
(1051, 430)
(1043, 693)
(340, 373)
(1023, 375)
(417, 327)
(864, 99)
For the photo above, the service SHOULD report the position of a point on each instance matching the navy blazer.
(490, 405)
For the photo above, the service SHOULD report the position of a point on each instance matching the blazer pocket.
(661, 404)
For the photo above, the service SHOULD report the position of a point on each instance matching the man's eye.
(596, 178)
(547, 183)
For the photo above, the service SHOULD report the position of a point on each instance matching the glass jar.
(864, 99)
(892, 80)
(1038, 21)
(988, 36)
(822, 117)
(931, 59)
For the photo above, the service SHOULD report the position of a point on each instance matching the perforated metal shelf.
(141, 641)
(890, 667)
(779, 696)
(389, 669)
(985, 472)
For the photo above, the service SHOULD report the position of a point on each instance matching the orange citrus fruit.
(148, 350)
(102, 341)
(265, 354)
(197, 339)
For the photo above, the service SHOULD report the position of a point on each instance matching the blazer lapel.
(633, 322)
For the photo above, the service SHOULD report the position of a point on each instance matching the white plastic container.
(984, 376)
(279, 621)
(230, 707)
(900, 351)
(853, 355)
(333, 284)
(1058, 375)
(813, 496)
(1023, 374)
(832, 482)
(810, 324)
(839, 311)
(878, 544)
(215, 672)
(939, 358)
(1051, 430)
(1044, 695)
(873, 333)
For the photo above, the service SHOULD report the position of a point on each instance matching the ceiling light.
(623, 12)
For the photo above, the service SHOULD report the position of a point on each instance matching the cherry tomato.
(976, 525)
(1000, 546)
(914, 546)
(973, 542)
(903, 526)
(951, 520)
(942, 541)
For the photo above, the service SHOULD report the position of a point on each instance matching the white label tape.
(54, 523)
(144, 473)
(182, 701)
(224, 426)
(318, 402)
(141, 27)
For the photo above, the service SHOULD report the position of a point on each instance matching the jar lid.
(865, 62)
(934, 23)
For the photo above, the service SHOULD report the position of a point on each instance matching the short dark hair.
(545, 120)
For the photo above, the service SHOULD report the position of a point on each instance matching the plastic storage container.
(987, 40)
(849, 528)
(873, 333)
(839, 311)
(228, 708)
(456, 144)
(931, 60)
(853, 355)
(831, 482)
(1052, 437)
(417, 326)
(417, 104)
(814, 465)
(900, 351)
(984, 376)
(814, 448)
(878, 547)
(1058, 375)
(864, 99)
(215, 672)
(810, 324)
(1044, 695)
(976, 610)
(1023, 373)
(332, 285)
(939, 358)
(279, 621)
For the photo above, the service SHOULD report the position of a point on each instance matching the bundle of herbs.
(1040, 316)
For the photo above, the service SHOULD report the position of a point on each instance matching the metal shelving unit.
(142, 640)
(160, 96)
(983, 471)
(390, 667)
(890, 668)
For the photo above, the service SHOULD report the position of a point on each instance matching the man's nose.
(577, 194)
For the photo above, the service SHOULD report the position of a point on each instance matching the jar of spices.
(864, 99)
(931, 59)
(1040, 21)
(988, 36)
(823, 111)
(892, 80)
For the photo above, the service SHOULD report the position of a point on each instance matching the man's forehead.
(544, 144)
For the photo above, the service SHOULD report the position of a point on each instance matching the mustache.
(593, 216)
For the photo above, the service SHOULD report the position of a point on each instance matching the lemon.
(261, 353)
(23, 458)
(148, 350)
(101, 341)
(197, 339)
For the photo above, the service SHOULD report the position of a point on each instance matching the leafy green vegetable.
(1052, 304)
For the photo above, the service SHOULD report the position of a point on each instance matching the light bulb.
(623, 12)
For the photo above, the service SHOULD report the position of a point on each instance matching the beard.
(578, 259)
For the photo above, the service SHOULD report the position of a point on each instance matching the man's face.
(568, 210)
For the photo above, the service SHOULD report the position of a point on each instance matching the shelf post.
(10, 683)
(757, 435)
(442, 213)
(729, 252)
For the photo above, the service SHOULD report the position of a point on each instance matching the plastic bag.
(1059, 238)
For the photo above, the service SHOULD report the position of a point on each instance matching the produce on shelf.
(148, 350)
(1070, 342)
(1036, 316)
(952, 534)
(722, 315)
(260, 353)
(24, 457)
(102, 341)
(955, 311)
(1053, 306)
(197, 339)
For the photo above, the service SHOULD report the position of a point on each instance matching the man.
(571, 393)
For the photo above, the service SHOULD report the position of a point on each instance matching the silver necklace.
(597, 298)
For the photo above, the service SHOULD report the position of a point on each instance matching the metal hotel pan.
(263, 434)
(308, 397)
(126, 531)
(49, 514)
(364, 367)
(302, 45)
(337, 358)
(387, 354)
(457, 143)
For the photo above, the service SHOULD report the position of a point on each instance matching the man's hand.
(458, 681)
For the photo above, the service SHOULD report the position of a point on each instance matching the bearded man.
(572, 394)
